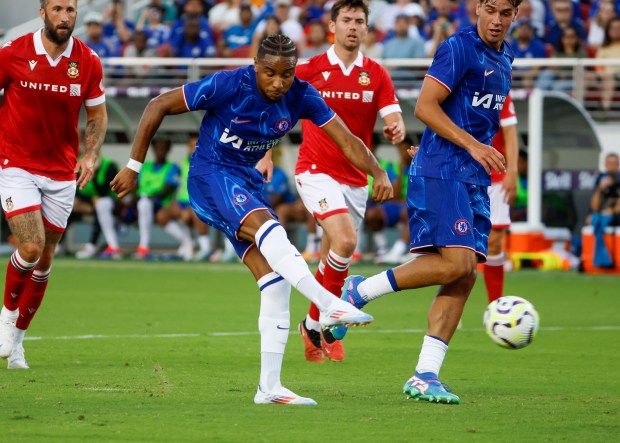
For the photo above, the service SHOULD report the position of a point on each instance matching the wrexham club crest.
(73, 70)
(364, 80)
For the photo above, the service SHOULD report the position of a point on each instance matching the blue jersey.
(240, 126)
(478, 78)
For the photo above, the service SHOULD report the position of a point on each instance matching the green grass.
(169, 352)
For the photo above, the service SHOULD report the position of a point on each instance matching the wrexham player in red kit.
(501, 194)
(47, 76)
(332, 189)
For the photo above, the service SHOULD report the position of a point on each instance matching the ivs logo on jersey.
(73, 71)
(488, 101)
(364, 79)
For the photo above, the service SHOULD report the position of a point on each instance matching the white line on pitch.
(242, 333)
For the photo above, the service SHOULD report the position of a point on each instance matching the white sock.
(378, 285)
(286, 260)
(274, 319)
(145, 220)
(274, 326)
(311, 243)
(496, 260)
(270, 369)
(19, 336)
(432, 355)
(204, 242)
(179, 232)
(312, 324)
(398, 248)
(104, 207)
(380, 242)
(8, 315)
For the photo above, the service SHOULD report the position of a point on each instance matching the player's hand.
(86, 168)
(381, 187)
(394, 133)
(412, 151)
(509, 185)
(488, 157)
(124, 182)
(265, 166)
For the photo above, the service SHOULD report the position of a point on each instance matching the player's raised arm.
(168, 103)
(355, 150)
(428, 109)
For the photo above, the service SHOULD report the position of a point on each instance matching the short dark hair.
(277, 44)
(349, 4)
(515, 3)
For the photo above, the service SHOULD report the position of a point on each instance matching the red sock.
(32, 298)
(18, 273)
(313, 312)
(494, 280)
(336, 270)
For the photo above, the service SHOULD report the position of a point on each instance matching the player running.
(333, 190)
(460, 102)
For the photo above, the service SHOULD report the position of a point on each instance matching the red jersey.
(356, 94)
(42, 102)
(507, 117)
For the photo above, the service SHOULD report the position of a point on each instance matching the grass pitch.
(169, 352)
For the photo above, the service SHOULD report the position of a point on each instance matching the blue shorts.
(392, 210)
(448, 213)
(224, 199)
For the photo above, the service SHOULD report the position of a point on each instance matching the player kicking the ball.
(248, 111)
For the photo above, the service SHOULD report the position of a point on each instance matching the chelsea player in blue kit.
(248, 111)
(447, 201)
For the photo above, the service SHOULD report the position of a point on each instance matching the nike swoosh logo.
(240, 122)
(280, 327)
(487, 73)
(297, 255)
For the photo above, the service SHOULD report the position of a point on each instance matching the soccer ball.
(511, 322)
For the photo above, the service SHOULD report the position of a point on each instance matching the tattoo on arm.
(93, 136)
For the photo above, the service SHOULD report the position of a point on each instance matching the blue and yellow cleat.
(427, 387)
(350, 294)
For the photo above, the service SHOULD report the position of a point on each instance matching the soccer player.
(501, 195)
(248, 111)
(460, 102)
(334, 190)
(47, 76)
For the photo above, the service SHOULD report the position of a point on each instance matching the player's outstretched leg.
(426, 386)
(281, 396)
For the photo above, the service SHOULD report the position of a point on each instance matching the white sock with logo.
(432, 354)
(274, 326)
(286, 260)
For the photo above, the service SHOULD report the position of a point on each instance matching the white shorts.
(500, 210)
(323, 197)
(23, 192)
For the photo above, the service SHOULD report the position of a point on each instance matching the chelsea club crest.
(241, 198)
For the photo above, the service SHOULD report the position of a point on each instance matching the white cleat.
(7, 337)
(281, 396)
(340, 312)
(17, 360)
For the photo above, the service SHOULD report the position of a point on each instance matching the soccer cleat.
(142, 253)
(340, 312)
(111, 253)
(17, 360)
(312, 343)
(7, 337)
(350, 294)
(427, 387)
(281, 396)
(332, 348)
(88, 251)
